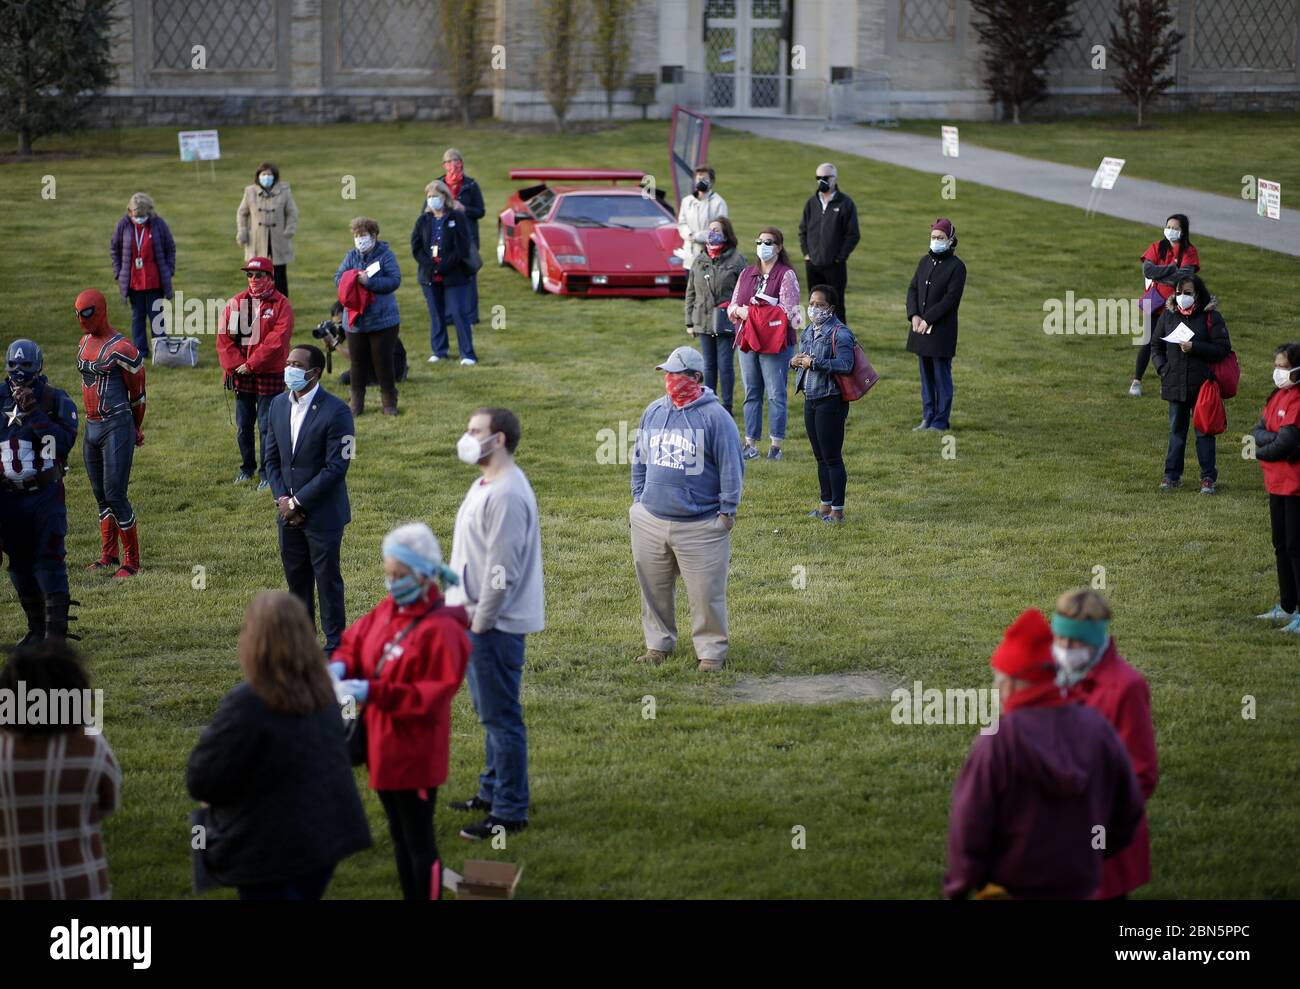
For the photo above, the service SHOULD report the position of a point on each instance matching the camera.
(329, 333)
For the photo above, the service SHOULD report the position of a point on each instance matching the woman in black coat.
(932, 300)
(1183, 368)
(272, 767)
(440, 244)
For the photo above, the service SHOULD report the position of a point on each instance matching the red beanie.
(1025, 651)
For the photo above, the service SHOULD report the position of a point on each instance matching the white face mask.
(766, 252)
(1185, 301)
(938, 246)
(434, 202)
(469, 450)
(364, 243)
(1172, 234)
(1072, 663)
(137, 220)
(1282, 377)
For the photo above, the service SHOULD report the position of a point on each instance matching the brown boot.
(130, 552)
(655, 657)
(107, 545)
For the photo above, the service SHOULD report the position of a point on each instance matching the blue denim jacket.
(382, 311)
(818, 381)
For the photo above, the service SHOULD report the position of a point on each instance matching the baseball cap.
(683, 359)
(259, 264)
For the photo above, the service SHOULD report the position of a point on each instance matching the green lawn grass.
(1209, 151)
(1054, 474)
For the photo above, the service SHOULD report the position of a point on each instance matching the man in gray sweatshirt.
(496, 551)
(687, 474)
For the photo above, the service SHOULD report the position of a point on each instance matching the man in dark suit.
(308, 449)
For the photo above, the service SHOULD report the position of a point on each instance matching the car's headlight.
(571, 258)
(600, 279)
(661, 279)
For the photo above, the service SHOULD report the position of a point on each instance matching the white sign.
(1107, 172)
(199, 145)
(1270, 199)
(949, 142)
(1180, 333)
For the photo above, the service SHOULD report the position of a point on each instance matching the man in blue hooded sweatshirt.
(687, 475)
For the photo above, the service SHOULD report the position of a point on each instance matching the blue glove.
(337, 670)
(357, 688)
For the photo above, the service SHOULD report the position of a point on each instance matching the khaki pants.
(701, 553)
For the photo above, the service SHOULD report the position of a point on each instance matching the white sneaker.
(434, 359)
(467, 362)
(1135, 389)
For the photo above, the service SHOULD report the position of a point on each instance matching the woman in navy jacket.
(825, 350)
(144, 260)
(440, 244)
(373, 334)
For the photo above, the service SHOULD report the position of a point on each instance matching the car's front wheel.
(535, 271)
(501, 246)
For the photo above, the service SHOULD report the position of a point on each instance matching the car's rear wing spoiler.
(612, 175)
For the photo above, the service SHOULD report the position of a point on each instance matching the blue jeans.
(1180, 417)
(495, 675)
(765, 373)
(936, 391)
(473, 298)
(719, 365)
(108, 451)
(33, 527)
(142, 316)
(449, 304)
(252, 411)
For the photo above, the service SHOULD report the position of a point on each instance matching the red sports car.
(606, 240)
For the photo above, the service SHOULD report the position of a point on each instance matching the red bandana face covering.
(261, 288)
(715, 249)
(682, 389)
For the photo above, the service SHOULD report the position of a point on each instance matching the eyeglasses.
(253, 275)
(87, 312)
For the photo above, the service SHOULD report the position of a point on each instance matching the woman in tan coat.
(266, 221)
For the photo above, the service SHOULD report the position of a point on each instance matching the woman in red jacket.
(1166, 261)
(1089, 664)
(1277, 448)
(403, 663)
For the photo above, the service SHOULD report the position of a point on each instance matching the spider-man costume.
(112, 388)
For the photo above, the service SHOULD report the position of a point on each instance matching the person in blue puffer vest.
(372, 335)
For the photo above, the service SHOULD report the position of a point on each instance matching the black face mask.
(823, 185)
(702, 185)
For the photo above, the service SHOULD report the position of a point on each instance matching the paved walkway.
(1145, 202)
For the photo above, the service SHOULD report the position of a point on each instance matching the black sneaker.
(485, 829)
(1170, 484)
(472, 804)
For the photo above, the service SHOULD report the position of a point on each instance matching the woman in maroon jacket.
(1089, 664)
(403, 663)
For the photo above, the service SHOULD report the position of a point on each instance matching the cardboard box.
(483, 880)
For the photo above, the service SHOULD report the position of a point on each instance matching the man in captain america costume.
(112, 391)
(38, 428)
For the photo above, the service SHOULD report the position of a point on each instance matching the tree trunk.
(24, 140)
(1140, 111)
(465, 110)
(609, 103)
(1015, 113)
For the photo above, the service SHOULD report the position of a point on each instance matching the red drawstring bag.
(1209, 416)
(1227, 372)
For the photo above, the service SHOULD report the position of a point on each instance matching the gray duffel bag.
(175, 351)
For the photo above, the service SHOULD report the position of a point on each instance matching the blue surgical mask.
(435, 202)
(766, 252)
(137, 220)
(405, 590)
(267, 180)
(938, 246)
(295, 378)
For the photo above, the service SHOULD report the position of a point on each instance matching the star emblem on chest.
(15, 416)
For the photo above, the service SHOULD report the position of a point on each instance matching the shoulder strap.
(383, 660)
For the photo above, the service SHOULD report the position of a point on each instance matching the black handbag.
(721, 323)
(354, 728)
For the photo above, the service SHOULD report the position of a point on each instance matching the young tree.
(613, 45)
(1142, 45)
(1018, 37)
(54, 61)
(465, 44)
(557, 26)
